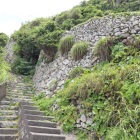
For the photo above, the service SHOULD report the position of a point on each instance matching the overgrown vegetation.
(31, 38)
(110, 90)
(4, 68)
(78, 50)
(103, 48)
(3, 40)
(45, 33)
(66, 44)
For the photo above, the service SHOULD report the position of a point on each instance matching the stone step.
(17, 99)
(8, 137)
(28, 103)
(18, 96)
(42, 136)
(38, 117)
(3, 102)
(8, 124)
(33, 112)
(13, 93)
(8, 112)
(47, 130)
(8, 118)
(28, 107)
(8, 131)
(41, 123)
(7, 107)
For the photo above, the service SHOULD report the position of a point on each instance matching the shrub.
(76, 13)
(21, 66)
(4, 68)
(99, 13)
(103, 48)
(3, 39)
(66, 44)
(79, 50)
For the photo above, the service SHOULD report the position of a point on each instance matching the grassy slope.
(109, 91)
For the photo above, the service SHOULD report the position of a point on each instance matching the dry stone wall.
(50, 77)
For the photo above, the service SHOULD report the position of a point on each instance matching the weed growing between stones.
(103, 48)
(78, 50)
(66, 44)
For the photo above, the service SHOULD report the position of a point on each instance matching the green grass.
(66, 44)
(78, 50)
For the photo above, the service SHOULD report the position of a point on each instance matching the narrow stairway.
(20, 119)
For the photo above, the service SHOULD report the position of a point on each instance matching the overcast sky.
(15, 12)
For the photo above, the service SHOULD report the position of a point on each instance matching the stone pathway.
(20, 119)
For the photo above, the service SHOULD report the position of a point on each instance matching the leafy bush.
(79, 50)
(75, 13)
(66, 44)
(3, 39)
(99, 13)
(21, 66)
(4, 68)
(103, 48)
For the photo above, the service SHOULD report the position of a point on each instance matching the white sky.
(15, 12)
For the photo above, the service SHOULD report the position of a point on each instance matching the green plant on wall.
(4, 68)
(78, 50)
(66, 44)
(103, 48)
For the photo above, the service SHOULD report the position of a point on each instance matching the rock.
(83, 125)
(135, 22)
(118, 34)
(83, 118)
(137, 28)
(125, 30)
(89, 121)
(125, 35)
(117, 30)
(133, 31)
(66, 62)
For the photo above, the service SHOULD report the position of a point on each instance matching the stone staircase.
(20, 119)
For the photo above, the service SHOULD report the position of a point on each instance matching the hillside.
(102, 102)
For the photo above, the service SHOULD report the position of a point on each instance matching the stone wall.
(50, 77)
